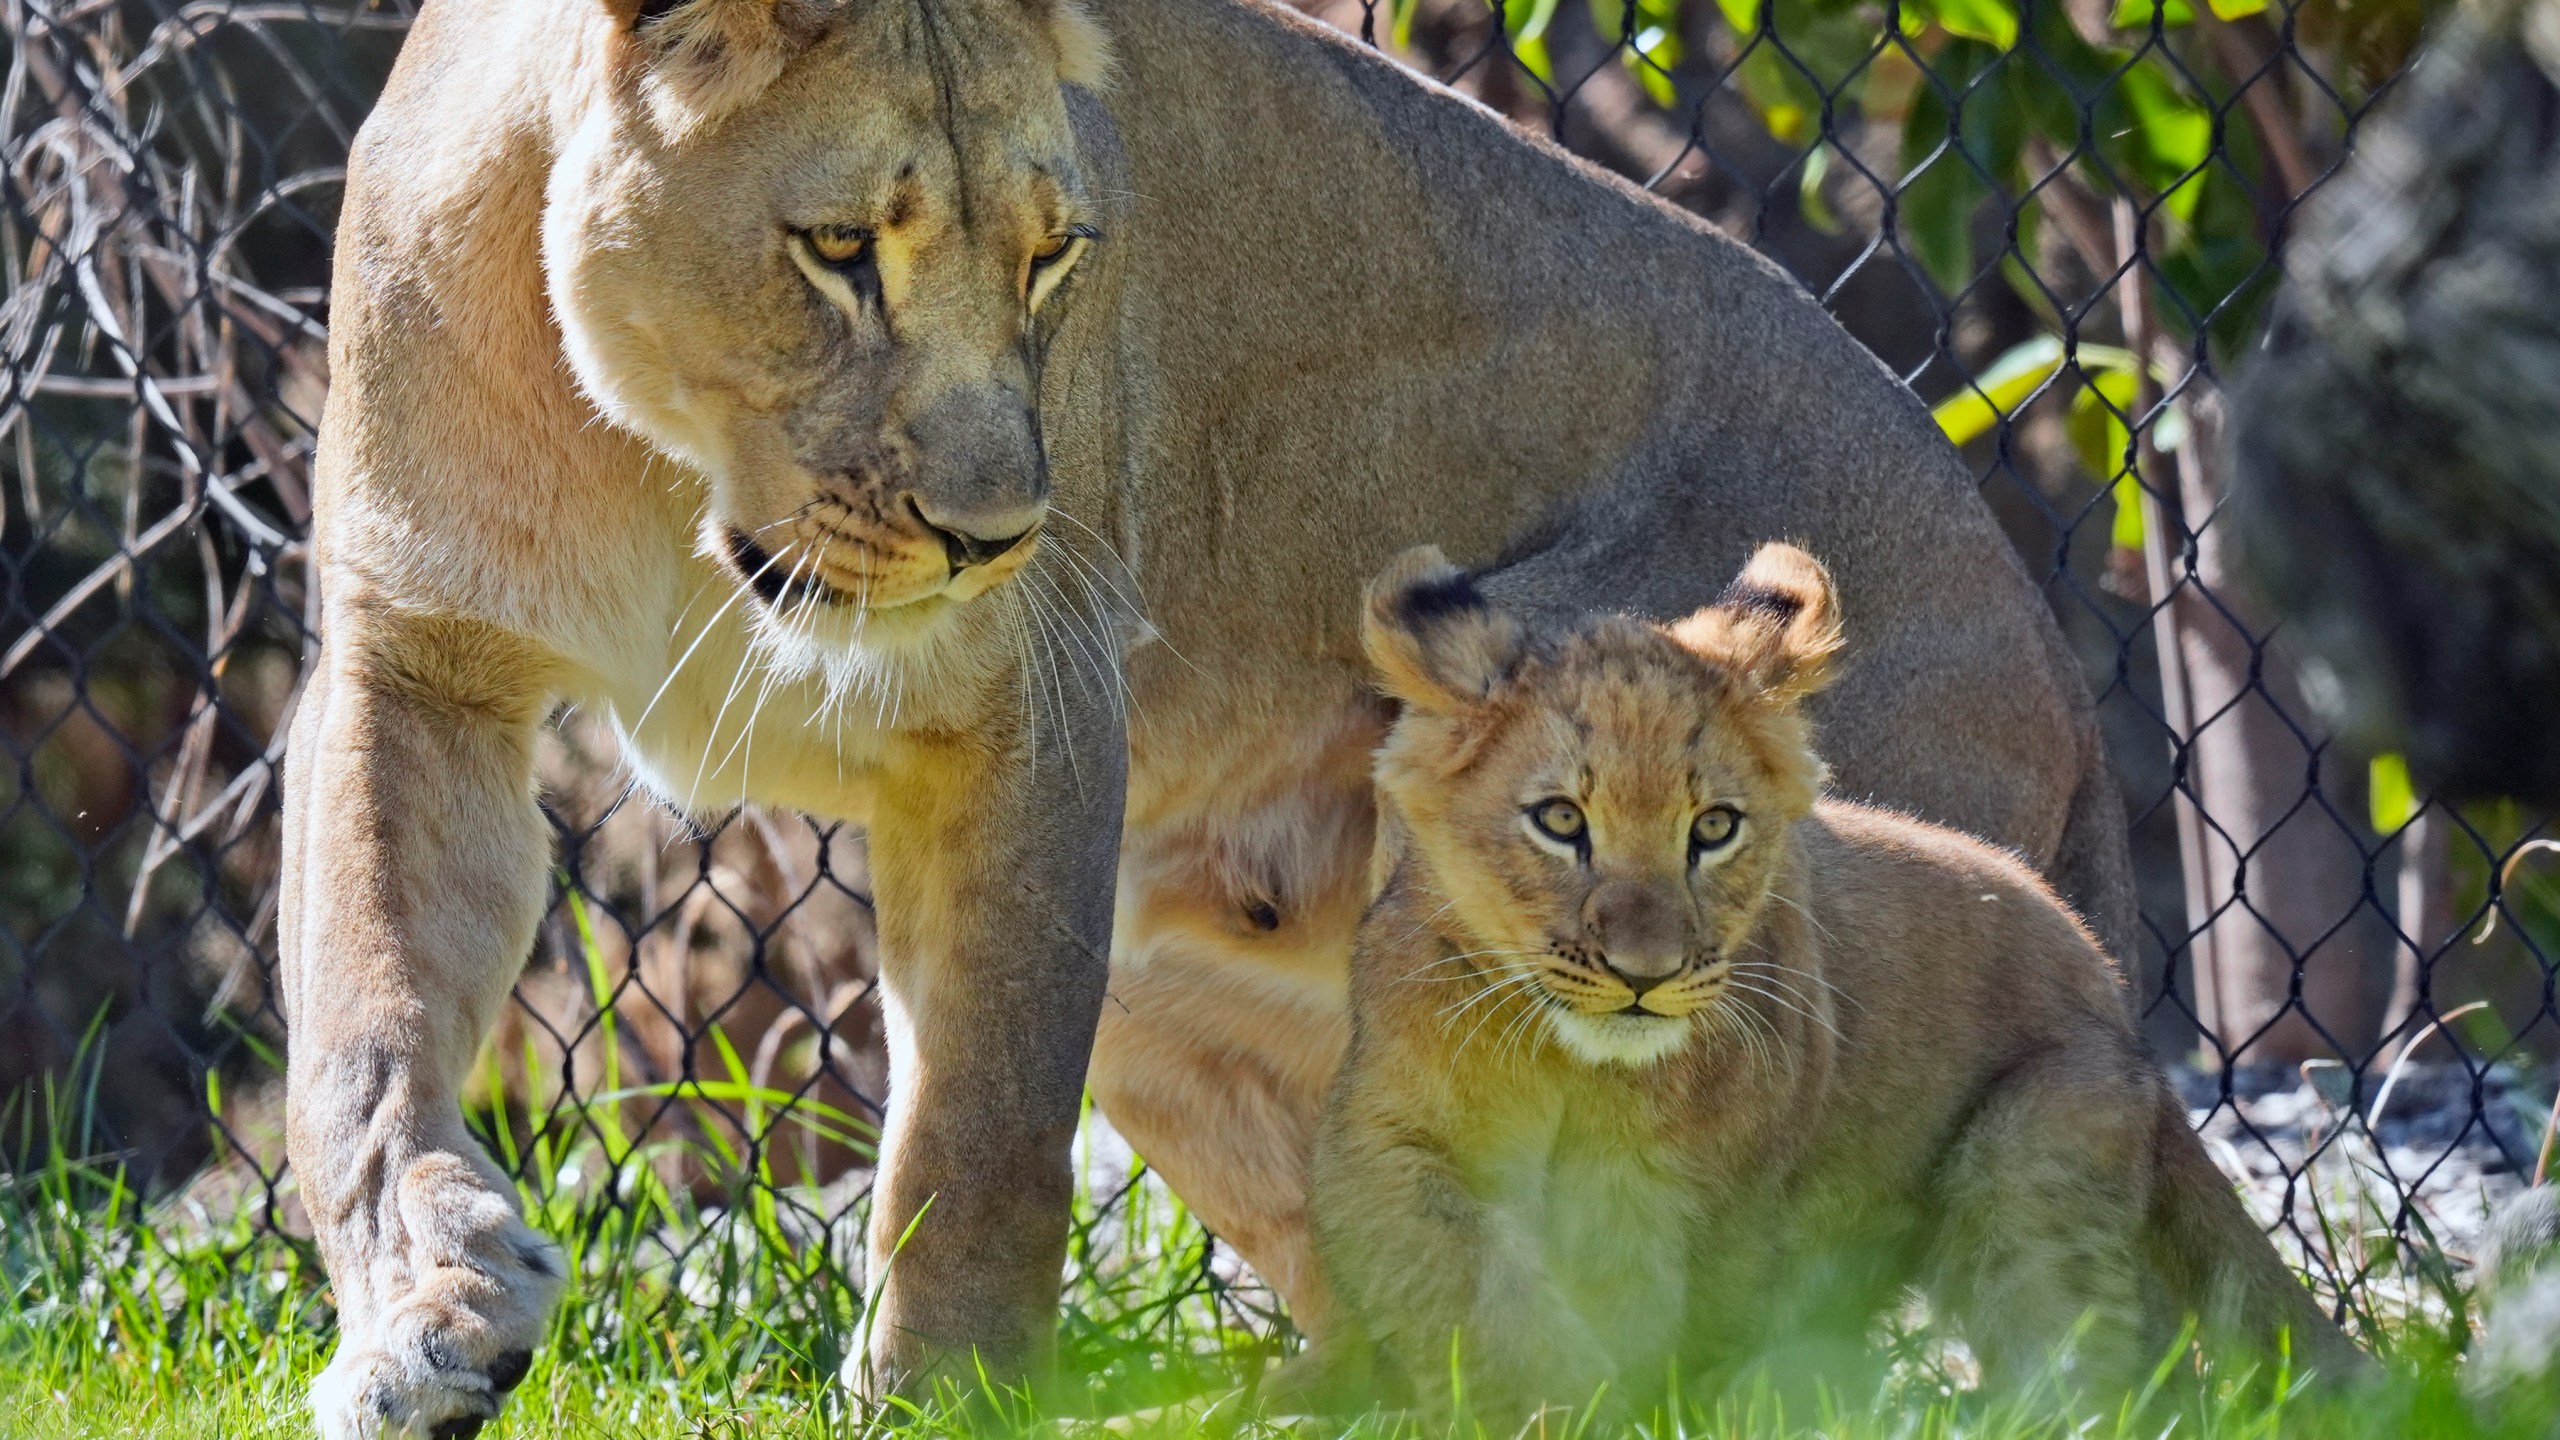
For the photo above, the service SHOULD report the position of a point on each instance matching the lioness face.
(816, 251)
(1606, 806)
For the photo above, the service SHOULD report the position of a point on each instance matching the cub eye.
(1714, 829)
(1558, 819)
(842, 246)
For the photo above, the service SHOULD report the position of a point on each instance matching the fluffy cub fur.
(1661, 1063)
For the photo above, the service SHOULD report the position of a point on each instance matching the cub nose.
(1637, 930)
(1639, 979)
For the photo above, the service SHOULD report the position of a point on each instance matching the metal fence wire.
(2056, 218)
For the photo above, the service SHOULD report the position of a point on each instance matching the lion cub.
(1661, 1064)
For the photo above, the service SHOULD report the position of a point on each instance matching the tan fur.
(1646, 1109)
(580, 352)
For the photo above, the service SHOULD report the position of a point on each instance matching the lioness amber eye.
(1558, 820)
(1715, 828)
(839, 244)
(1050, 251)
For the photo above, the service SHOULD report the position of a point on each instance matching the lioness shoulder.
(1662, 1063)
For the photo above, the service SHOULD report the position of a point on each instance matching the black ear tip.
(1438, 597)
(1780, 605)
(649, 10)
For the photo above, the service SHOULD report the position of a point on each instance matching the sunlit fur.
(1620, 1111)
(576, 355)
(833, 413)
(1643, 728)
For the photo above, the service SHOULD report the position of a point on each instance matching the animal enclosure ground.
(688, 1322)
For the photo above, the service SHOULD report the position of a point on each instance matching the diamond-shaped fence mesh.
(2056, 218)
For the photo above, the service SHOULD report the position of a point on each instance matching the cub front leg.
(993, 870)
(1419, 1266)
(413, 879)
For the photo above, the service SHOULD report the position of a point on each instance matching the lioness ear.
(1084, 47)
(1777, 626)
(706, 58)
(1437, 643)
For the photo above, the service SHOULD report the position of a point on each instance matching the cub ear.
(1777, 626)
(1438, 644)
(703, 59)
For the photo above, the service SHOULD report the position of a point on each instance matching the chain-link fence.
(2056, 218)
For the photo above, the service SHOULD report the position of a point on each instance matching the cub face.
(1602, 806)
(825, 279)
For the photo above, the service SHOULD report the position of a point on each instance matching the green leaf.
(2125, 532)
(2236, 9)
(1526, 21)
(1742, 15)
(2388, 793)
(1817, 211)
(1937, 208)
(2137, 14)
(1972, 412)
(1650, 56)
(1993, 22)
(2097, 423)
(2176, 131)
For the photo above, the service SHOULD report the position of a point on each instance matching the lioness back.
(1661, 1063)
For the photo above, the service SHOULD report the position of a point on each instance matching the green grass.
(121, 1320)
(184, 1318)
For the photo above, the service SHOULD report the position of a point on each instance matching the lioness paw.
(413, 1389)
(439, 1360)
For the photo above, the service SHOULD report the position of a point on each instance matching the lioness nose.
(981, 479)
(967, 550)
(964, 544)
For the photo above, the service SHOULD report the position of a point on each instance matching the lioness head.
(1602, 805)
(815, 249)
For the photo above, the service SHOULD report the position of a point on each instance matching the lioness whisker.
(1095, 675)
(1057, 687)
(1136, 603)
(764, 690)
(701, 635)
(1094, 625)
(737, 682)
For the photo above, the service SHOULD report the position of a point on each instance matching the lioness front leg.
(413, 878)
(993, 872)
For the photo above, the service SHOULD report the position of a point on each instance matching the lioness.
(1659, 1061)
(875, 416)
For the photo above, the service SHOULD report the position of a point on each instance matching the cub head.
(815, 250)
(1602, 804)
